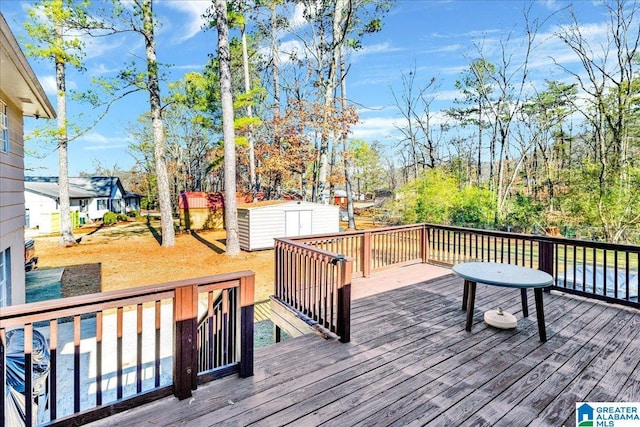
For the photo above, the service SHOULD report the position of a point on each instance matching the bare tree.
(413, 103)
(610, 70)
(610, 82)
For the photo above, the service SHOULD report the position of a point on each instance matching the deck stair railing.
(218, 330)
(315, 283)
(108, 352)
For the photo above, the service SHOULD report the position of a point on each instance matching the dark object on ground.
(30, 258)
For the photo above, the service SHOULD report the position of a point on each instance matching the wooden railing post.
(424, 244)
(185, 362)
(343, 327)
(277, 251)
(366, 253)
(545, 256)
(246, 325)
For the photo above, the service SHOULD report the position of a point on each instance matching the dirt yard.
(128, 255)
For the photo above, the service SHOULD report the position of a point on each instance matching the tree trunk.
(337, 41)
(345, 144)
(164, 195)
(226, 98)
(66, 230)
(479, 163)
(275, 61)
(253, 186)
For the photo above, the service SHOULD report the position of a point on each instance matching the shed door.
(297, 223)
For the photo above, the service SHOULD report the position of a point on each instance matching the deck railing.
(377, 249)
(598, 270)
(112, 351)
(315, 283)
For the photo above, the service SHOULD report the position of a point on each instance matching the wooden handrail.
(316, 283)
(87, 316)
(600, 270)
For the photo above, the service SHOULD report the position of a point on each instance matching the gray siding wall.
(12, 201)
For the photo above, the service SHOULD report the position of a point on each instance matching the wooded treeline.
(516, 155)
(510, 152)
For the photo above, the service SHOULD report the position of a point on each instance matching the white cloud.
(383, 128)
(103, 69)
(445, 49)
(96, 47)
(376, 128)
(105, 147)
(297, 19)
(190, 67)
(376, 109)
(48, 83)
(447, 95)
(380, 48)
(456, 69)
(97, 142)
(194, 20)
(290, 49)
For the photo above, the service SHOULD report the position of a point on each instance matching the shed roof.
(200, 200)
(262, 204)
(270, 203)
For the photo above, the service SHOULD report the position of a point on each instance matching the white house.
(20, 95)
(260, 223)
(91, 196)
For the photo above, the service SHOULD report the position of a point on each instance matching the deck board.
(411, 362)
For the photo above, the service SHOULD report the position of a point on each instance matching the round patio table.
(508, 276)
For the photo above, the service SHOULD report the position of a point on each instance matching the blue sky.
(437, 39)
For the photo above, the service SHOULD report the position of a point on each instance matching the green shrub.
(525, 213)
(122, 217)
(475, 207)
(436, 197)
(109, 218)
(430, 198)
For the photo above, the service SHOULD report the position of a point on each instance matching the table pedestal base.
(468, 302)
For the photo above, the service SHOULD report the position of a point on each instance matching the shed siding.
(258, 226)
(266, 224)
(243, 229)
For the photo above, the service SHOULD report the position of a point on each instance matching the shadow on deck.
(411, 362)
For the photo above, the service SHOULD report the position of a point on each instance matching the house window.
(5, 275)
(101, 204)
(4, 127)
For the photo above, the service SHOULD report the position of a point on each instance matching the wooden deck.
(411, 362)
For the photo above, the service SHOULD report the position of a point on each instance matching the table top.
(507, 275)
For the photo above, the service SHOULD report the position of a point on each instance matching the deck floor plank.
(411, 362)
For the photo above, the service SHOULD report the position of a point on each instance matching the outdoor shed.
(260, 223)
(201, 211)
